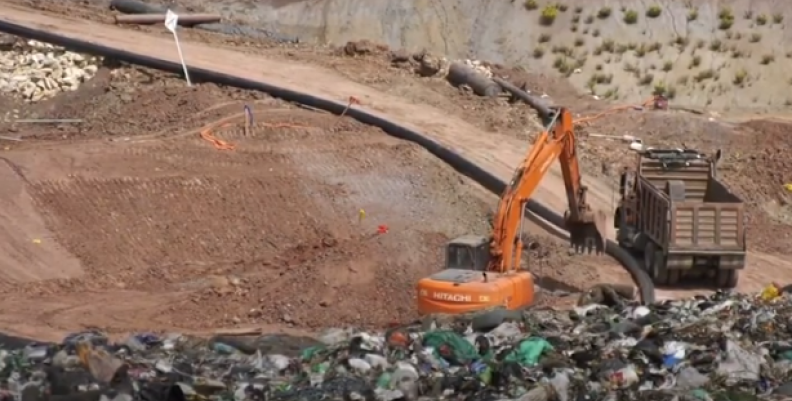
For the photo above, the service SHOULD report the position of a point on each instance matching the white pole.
(172, 22)
(181, 58)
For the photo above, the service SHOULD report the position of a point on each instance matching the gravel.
(34, 71)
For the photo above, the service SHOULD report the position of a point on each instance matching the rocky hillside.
(717, 54)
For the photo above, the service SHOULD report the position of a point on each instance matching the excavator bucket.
(590, 233)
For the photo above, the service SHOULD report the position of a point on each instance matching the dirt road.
(495, 152)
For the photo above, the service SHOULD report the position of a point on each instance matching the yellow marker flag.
(361, 215)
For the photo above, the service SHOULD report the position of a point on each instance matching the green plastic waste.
(383, 381)
(462, 351)
(486, 375)
(320, 367)
(700, 394)
(311, 352)
(528, 352)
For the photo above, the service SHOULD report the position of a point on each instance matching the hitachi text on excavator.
(484, 272)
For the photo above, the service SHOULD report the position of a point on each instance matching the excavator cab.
(470, 252)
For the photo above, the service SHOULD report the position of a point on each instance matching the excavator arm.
(586, 228)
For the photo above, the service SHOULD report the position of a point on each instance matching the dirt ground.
(269, 232)
(190, 237)
(234, 288)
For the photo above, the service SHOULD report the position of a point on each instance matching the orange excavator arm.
(586, 228)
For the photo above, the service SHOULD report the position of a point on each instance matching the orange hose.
(220, 144)
(613, 110)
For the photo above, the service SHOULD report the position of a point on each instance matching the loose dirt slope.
(22, 257)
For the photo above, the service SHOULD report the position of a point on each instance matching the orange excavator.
(484, 272)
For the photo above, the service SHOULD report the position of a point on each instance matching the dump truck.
(682, 221)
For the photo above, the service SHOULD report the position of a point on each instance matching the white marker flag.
(171, 22)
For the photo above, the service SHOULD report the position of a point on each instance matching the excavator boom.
(587, 229)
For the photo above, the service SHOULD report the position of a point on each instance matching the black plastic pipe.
(459, 163)
(139, 7)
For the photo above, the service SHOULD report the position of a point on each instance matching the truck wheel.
(727, 278)
(655, 265)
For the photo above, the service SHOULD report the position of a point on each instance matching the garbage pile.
(721, 347)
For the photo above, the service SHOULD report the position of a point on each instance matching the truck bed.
(690, 212)
(705, 226)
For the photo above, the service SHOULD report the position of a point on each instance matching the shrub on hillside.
(630, 17)
(654, 11)
(549, 14)
(646, 80)
(726, 17)
(608, 45)
(740, 76)
(659, 89)
(604, 12)
(531, 4)
(761, 19)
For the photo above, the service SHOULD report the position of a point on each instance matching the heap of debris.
(721, 347)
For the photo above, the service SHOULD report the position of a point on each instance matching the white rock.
(359, 365)
(281, 362)
(376, 360)
(36, 70)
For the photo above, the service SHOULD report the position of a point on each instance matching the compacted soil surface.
(136, 219)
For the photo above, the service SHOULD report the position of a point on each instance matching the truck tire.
(727, 278)
(655, 264)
